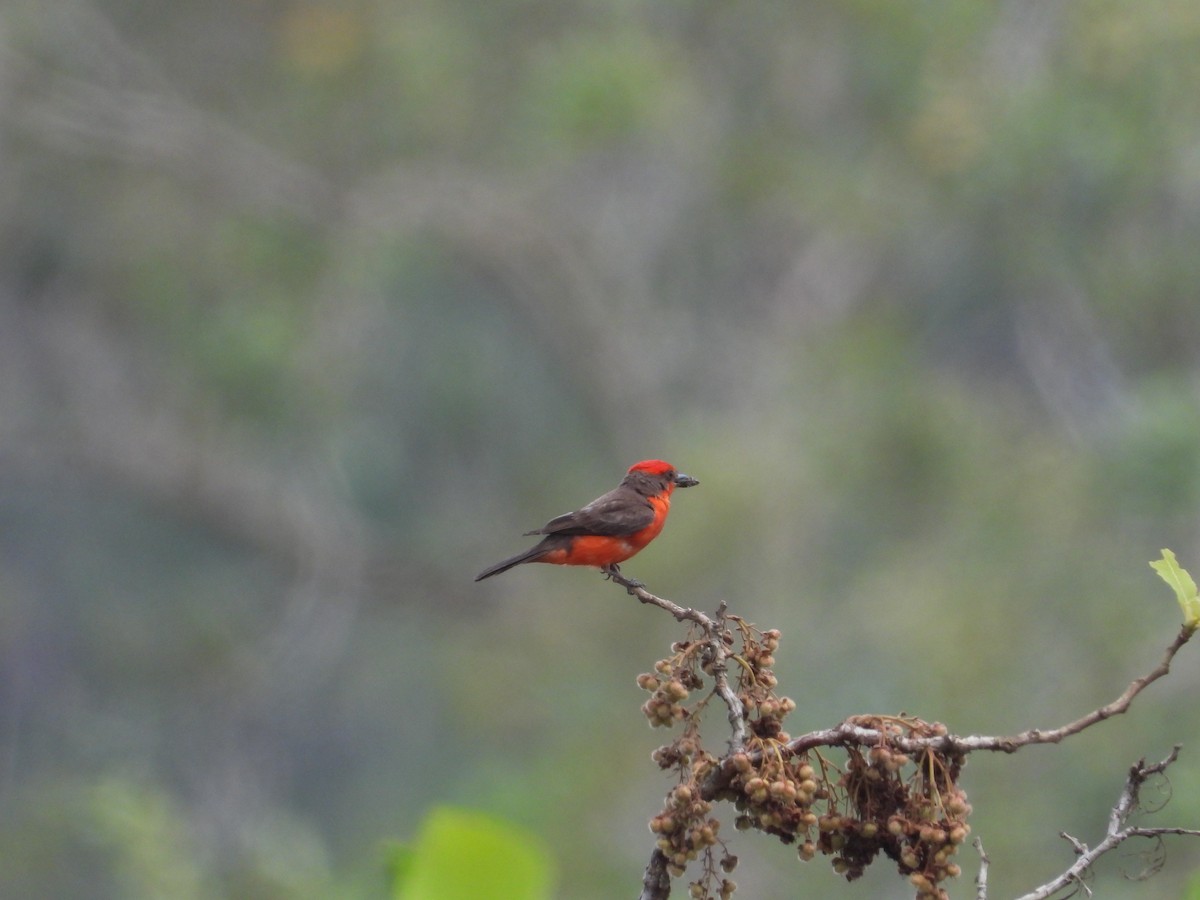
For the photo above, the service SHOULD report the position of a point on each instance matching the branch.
(871, 808)
(1117, 832)
(656, 881)
(851, 733)
(714, 631)
(982, 877)
(1118, 706)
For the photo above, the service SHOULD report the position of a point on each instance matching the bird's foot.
(613, 572)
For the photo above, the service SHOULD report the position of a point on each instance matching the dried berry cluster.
(686, 831)
(911, 810)
(919, 821)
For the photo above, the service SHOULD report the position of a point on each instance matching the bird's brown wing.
(621, 511)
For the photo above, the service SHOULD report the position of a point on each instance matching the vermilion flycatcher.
(611, 528)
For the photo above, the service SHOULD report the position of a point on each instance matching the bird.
(611, 528)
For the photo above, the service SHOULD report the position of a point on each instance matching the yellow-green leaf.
(1181, 582)
(465, 855)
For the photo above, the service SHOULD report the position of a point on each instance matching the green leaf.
(398, 860)
(1181, 582)
(465, 855)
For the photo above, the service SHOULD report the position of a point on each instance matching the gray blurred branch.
(503, 232)
(144, 128)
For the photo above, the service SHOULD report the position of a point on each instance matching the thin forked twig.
(1117, 833)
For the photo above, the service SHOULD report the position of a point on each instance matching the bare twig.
(682, 613)
(982, 877)
(1117, 833)
(714, 630)
(848, 733)
(1118, 706)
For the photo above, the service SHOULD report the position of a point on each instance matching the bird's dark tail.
(530, 555)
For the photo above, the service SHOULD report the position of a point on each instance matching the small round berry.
(829, 823)
(674, 690)
(958, 807)
(783, 790)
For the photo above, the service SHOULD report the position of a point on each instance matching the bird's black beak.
(682, 480)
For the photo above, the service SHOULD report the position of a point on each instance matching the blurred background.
(308, 310)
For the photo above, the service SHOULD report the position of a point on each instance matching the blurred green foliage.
(460, 855)
(307, 311)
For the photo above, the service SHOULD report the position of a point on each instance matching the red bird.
(611, 528)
